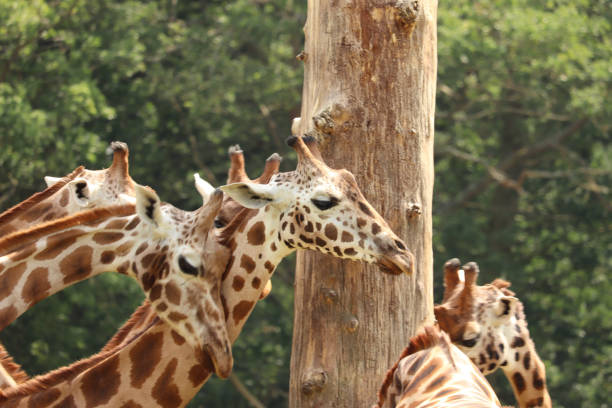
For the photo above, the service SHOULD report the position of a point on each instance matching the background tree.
(523, 89)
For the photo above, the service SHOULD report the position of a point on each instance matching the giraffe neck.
(145, 364)
(256, 250)
(37, 267)
(526, 371)
(438, 375)
(11, 373)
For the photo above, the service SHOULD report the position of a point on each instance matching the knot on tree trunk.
(313, 381)
(406, 14)
(330, 120)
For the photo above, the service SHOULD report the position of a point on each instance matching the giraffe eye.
(470, 342)
(325, 204)
(219, 223)
(186, 267)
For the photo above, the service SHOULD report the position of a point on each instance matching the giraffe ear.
(203, 187)
(81, 191)
(51, 180)
(505, 307)
(251, 195)
(148, 205)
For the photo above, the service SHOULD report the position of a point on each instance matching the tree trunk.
(369, 98)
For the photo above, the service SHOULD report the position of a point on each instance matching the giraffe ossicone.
(488, 324)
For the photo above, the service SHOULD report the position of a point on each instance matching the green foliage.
(523, 156)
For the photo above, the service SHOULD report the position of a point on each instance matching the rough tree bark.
(369, 98)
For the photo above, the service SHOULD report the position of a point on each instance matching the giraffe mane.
(429, 337)
(45, 381)
(239, 221)
(11, 367)
(19, 239)
(36, 198)
(136, 317)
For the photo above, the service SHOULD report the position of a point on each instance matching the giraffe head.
(96, 188)
(182, 276)
(488, 324)
(479, 319)
(323, 209)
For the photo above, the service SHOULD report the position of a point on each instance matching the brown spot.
(198, 373)
(10, 278)
(536, 402)
(350, 252)
(257, 234)
(63, 201)
(178, 339)
(165, 391)
(147, 260)
(177, 316)
(101, 382)
(144, 356)
(67, 402)
(36, 286)
(247, 263)
(331, 232)
(346, 236)
(241, 310)
(155, 293)
(124, 248)
(375, 229)
(273, 247)
(284, 226)
(7, 316)
(131, 404)
(238, 283)
(141, 248)
(57, 243)
(320, 242)
(44, 398)
(173, 293)
(538, 382)
(107, 257)
(482, 359)
(309, 227)
(256, 282)
(318, 225)
(364, 207)
(105, 238)
(135, 221)
(305, 239)
(527, 360)
(269, 266)
(337, 251)
(519, 382)
(491, 367)
(517, 356)
(162, 306)
(517, 342)
(77, 265)
(117, 224)
(23, 252)
(292, 229)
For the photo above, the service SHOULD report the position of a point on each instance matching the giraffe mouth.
(221, 358)
(397, 263)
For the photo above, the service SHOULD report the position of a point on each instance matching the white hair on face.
(461, 275)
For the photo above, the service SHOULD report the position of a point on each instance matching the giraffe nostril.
(400, 244)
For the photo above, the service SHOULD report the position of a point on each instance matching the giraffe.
(81, 189)
(228, 210)
(432, 372)
(165, 249)
(313, 207)
(488, 324)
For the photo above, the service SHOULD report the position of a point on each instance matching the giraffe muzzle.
(396, 263)
(222, 359)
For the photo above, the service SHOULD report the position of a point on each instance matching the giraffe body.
(433, 373)
(488, 324)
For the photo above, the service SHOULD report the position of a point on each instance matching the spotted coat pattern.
(432, 372)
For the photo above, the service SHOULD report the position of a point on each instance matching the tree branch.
(240, 387)
(498, 173)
